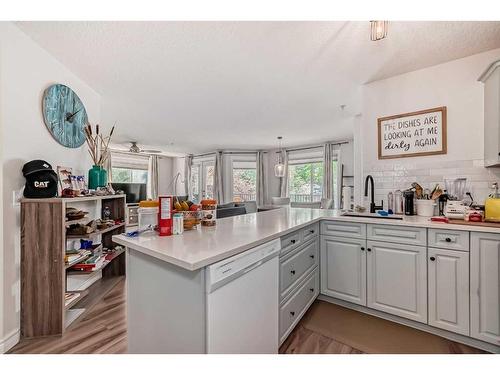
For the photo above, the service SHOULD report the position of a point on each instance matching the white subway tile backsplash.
(400, 175)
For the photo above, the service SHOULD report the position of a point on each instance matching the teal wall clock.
(64, 115)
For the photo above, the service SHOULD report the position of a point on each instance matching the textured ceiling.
(207, 85)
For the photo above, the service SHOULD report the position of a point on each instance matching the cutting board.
(474, 223)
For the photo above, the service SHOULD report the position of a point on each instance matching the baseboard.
(417, 325)
(9, 341)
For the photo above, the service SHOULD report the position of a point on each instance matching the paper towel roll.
(346, 198)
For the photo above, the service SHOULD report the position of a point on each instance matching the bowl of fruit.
(190, 213)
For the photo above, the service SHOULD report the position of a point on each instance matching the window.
(195, 183)
(129, 175)
(202, 180)
(244, 181)
(305, 182)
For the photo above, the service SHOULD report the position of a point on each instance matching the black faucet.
(373, 206)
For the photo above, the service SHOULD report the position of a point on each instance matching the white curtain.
(327, 171)
(108, 166)
(261, 179)
(336, 152)
(188, 164)
(284, 180)
(152, 185)
(218, 178)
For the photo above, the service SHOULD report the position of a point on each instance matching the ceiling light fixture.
(378, 30)
(279, 168)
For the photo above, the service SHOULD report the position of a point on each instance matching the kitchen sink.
(372, 216)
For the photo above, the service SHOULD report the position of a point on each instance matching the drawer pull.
(292, 272)
(293, 241)
(362, 248)
(311, 231)
(447, 239)
(311, 256)
(312, 289)
(292, 313)
(432, 258)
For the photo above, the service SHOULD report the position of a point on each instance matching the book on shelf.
(91, 264)
(70, 297)
(71, 257)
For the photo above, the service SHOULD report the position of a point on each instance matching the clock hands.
(68, 118)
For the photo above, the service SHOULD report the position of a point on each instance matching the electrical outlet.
(16, 198)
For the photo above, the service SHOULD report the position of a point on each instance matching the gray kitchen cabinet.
(397, 279)
(297, 264)
(485, 287)
(491, 80)
(343, 268)
(295, 306)
(343, 229)
(448, 272)
(397, 234)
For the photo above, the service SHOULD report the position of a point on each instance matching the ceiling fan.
(136, 149)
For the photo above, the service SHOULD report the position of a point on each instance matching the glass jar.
(398, 202)
(390, 202)
(148, 217)
(208, 212)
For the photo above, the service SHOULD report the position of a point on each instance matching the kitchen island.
(168, 276)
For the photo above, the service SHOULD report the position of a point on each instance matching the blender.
(455, 207)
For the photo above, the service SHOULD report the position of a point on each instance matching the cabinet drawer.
(397, 234)
(290, 241)
(449, 239)
(310, 231)
(342, 229)
(297, 265)
(295, 307)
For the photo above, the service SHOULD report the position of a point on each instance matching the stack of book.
(91, 264)
(72, 255)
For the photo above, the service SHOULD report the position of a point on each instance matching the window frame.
(303, 162)
(233, 183)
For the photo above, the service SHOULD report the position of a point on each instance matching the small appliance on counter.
(409, 202)
(455, 208)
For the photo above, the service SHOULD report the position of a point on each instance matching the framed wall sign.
(418, 133)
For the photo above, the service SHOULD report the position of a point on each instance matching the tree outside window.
(244, 184)
(129, 175)
(305, 182)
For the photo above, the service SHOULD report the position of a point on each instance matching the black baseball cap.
(36, 166)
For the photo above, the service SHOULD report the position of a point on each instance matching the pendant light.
(279, 168)
(378, 30)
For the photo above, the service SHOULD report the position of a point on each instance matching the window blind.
(129, 161)
(305, 156)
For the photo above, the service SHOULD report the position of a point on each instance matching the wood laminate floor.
(102, 330)
(321, 330)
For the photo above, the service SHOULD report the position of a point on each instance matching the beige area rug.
(374, 335)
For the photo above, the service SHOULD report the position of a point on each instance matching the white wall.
(454, 85)
(2, 341)
(178, 166)
(165, 170)
(26, 70)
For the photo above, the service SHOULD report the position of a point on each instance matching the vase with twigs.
(98, 148)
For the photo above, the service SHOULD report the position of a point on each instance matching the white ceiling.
(238, 85)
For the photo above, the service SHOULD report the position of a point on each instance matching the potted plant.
(99, 152)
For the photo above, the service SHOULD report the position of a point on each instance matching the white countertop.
(199, 248)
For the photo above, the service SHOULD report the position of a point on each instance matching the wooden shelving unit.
(44, 311)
